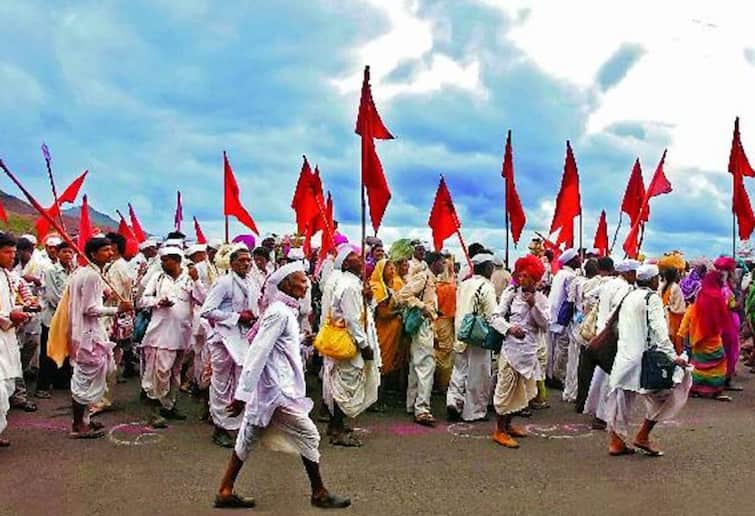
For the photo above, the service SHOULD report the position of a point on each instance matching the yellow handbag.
(334, 341)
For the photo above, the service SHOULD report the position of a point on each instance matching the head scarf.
(711, 312)
(380, 290)
(691, 285)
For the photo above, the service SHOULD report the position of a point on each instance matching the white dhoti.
(161, 375)
(353, 387)
(225, 377)
(595, 405)
(201, 354)
(469, 390)
(7, 387)
(90, 374)
(289, 431)
(558, 354)
(513, 392)
(659, 405)
(571, 378)
(421, 371)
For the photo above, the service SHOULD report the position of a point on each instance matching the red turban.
(531, 265)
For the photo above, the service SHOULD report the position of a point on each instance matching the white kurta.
(352, 384)
(469, 388)
(558, 295)
(170, 326)
(92, 351)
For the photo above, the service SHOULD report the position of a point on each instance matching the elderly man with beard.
(272, 395)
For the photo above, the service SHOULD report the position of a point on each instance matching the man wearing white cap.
(468, 393)
(417, 261)
(196, 360)
(610, 296)
(271, 394)
(561, 317)
(642, 325)
(231, 307)
(419, 293)
(171, 297)
(349, 387)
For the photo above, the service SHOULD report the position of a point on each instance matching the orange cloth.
(674, 322)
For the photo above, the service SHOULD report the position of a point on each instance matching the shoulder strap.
(647, 319)
(477, 300)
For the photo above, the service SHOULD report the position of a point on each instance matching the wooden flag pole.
(616, 234)
(506, 209)
(54, 191)
(642, 238)
(63, 234)
(227, 233)
(464, 249)
(364, 239)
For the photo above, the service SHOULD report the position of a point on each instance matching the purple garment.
(691, 285)
(730, 337)
(247, 240)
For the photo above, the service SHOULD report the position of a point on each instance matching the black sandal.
(234, 501)
(347, 440)
(330, 501)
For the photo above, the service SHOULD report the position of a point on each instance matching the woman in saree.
(673, 302)
(704, 324)
(384, 282)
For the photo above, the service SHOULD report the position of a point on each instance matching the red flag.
(3, 215)
(369, 123)
(136, 226)
(198, 230)
(232, 202)
(179, 216)
(307, 195)
(370, 126)
(85, 229)
(659, 185)
(124, 230)
(634, 195)
(68, 196)
(738, 161)
(514, 208)
(601, 235)
(443, 220)
(568, 202)
(327, 243)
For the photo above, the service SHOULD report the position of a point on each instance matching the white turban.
(343, 252)
(481, 258)
(285, 271)
(53, 241)
(215, 243)
(174, 242)
(627, 266)
(647, 272)
(147, 243)
(296, 253)
(171, 251)
(567, 256)
(30, 238)
(196, 248)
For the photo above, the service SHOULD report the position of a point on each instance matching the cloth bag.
(589, 326)
(657, 367)
(334, 341)
(474, 328)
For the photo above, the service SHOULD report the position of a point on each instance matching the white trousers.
(558, 354)
(572, 369)
(421, 371)
(469, 390)
(7, 387)
(289, 432)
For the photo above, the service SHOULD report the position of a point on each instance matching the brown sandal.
(425, 420)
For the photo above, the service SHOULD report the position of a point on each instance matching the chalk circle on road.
(133, 434)
(560, 431)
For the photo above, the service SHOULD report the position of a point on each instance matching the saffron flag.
(443, 219)
(3, 215)
(514, 208)
(124, 230)
(738, 162)
(179, 216)
(739, 167)
(568, 201)
(232, 202)
(201, 239)
(634, 195)
(307, 195)
(601, 235)
(369, 126)
(136, 227)
(85, 230)
(69, 195)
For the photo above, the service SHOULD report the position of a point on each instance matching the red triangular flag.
(568, 202)
(3, 215)
(69, 195)
(601, 235)
(302, 200)
(232, 202)
(738, 161)
(139, 233)
(124, 230)
(378, 193)
(198, 230)
(369, 123)
(634, 195)
(659, 185)
(443, 219)
(631, 245)
(327, 243)
(514, 208)
(85, 229)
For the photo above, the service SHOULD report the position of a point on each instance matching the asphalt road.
(563, 468)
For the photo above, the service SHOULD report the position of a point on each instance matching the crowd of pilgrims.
(236, 327)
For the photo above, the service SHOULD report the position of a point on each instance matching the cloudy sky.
(147, 95)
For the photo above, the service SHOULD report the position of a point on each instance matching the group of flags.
(314, 211)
